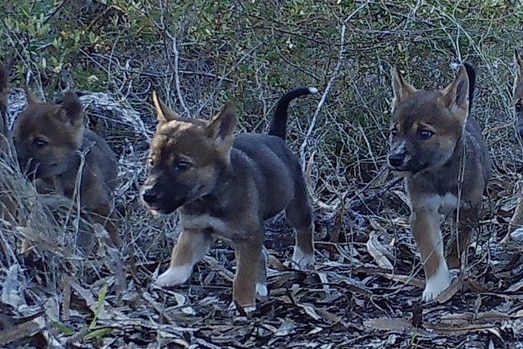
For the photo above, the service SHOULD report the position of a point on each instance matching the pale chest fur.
(444, 204)
(228, 229)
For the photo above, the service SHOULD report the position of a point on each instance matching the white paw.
(249, 309)
(261, 290)
(301, 260)
(174, 276)
(437, 283)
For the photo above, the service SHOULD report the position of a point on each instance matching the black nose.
(149, 195)
(396, 159)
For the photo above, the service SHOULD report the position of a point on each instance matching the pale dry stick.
(261, 90)
(461, 174)
(498, 85)
(384, 171)
(335, 74)
(177, 73)
(365, 103)
(162, 28)
(412, 14)
(26, 61)
(66, 305)
(76, 192)
(5, 247)
(176, 70)
(368, 144)
(225, 76)
(175, 65)
(110, 66)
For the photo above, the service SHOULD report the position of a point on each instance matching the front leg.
(468, 219)
(190, 248)
(248, 257)
(425, 226)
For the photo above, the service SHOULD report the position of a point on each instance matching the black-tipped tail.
(471, 72)
(279, 120)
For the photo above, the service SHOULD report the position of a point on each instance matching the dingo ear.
(71, 109)
(400, 88)
(220, 130)
(456, 96)
(163, 113)
(31, 98)
(221, 127)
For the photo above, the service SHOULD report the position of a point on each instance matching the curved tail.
(471, 72)
(279, 120)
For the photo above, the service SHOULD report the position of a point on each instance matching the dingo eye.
(40, 143)
(393, 132)
(182, 165)
(519, 108)
(425, 134)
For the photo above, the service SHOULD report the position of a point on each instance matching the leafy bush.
(199, 54)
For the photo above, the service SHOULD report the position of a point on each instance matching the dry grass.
(365, 290)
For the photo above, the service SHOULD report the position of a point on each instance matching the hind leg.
(299, 214)
(303, 255)
(261, 282)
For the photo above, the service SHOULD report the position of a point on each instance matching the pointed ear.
(31, 98)
(71, 109)
(518, 62)
(456, 95)
(163, 113)
(221, 127)
(400, 88)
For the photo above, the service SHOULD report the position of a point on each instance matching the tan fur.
(439, 150)
(517, 96)
(50, 140)
(219, 184)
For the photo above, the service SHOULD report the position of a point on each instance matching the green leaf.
(98, 334)
(62, 328)
(99, 305)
